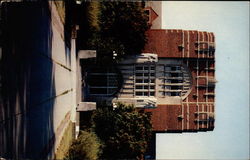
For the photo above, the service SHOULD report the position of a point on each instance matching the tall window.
(175, 77)
(145, 80)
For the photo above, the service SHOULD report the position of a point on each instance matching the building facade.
(174, 79)
(42, 74)
(194, 50)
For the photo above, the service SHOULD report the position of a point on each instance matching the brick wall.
(196, 49)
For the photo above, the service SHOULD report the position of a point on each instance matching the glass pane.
(138, 74)
(138, 80)
(138, 87)
(98, 90)
(152, 93)
(139, 68)
(138, 93)
(97, 80)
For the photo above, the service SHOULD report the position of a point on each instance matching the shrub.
(124, 131)
(86, 147)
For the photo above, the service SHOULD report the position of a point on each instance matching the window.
(175, 93)
(98, 90)
(176, 74)
(138, 87)
(139, 68)
(141, 87)
(141, 93)
(175, 68)
(176, 87)
(138, 93)
(102, 81)
(138, 81)
(168, 81)
(152, 93)
(168, 87)
(167, 68)
(139, 74)
(176, 81)
(167, 75)
(145, 76)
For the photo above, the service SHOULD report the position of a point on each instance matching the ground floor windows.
(102, 81)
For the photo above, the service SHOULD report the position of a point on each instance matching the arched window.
(102, 81)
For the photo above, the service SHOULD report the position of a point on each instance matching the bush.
(86, 147)
(124, 131)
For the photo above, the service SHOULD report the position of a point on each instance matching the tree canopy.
(124, 132)
(114, 26)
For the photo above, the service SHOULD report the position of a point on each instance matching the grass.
(60, 6)
(65, 143)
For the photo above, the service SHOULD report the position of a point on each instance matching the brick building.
(195, 52)
(174, 79)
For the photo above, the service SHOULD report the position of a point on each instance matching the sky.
(230, 23)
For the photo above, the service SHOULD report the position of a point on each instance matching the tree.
(124, 131)
(120, 27)
(86, 147)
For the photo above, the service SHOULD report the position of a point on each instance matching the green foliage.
(116, 26)
(65, 142)
(124, 131)
(126, 23)
(60, 6)
(93, 11)
(85, 147)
